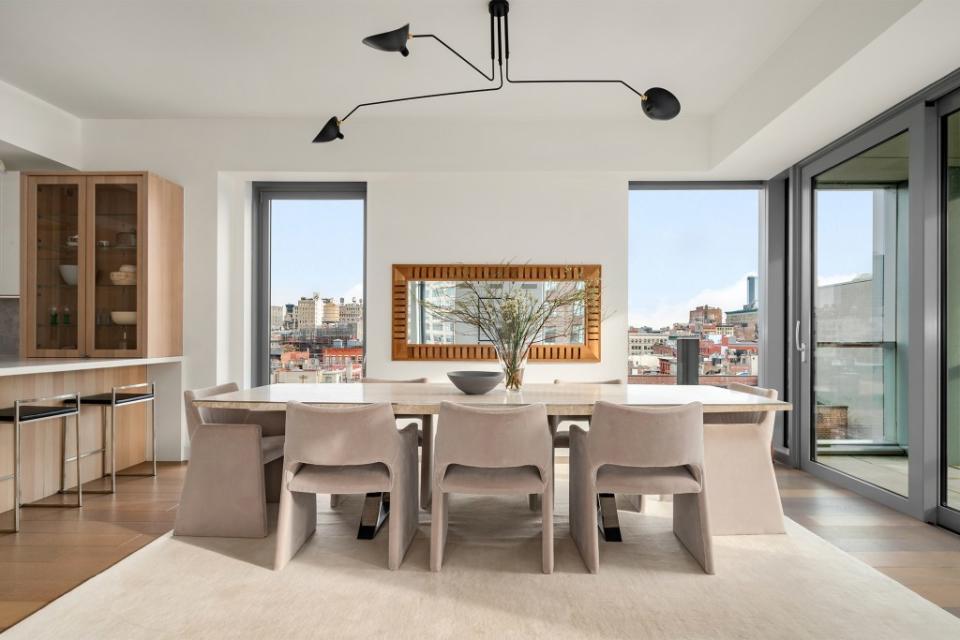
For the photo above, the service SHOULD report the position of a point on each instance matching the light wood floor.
(59, 549)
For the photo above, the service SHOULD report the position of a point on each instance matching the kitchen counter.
(32, 366)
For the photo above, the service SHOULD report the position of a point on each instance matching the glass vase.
(513, 364)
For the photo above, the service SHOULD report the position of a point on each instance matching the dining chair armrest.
(226, 443)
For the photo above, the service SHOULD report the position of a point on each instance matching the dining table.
(422, 401)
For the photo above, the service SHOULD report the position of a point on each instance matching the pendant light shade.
(330, 131)
(395, 40)
(660, 104)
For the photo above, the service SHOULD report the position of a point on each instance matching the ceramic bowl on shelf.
(475, 383)
(126, 239)
(123, 278)
(128, 268)
(69, 273)
(123, 317)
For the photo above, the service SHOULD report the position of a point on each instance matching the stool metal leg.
(76, 424)
(113, 444)
(63, 458)
(153, 429)
(103, 456)
(16, 470)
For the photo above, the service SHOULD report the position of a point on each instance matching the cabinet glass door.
(55, 232)
(114, 312)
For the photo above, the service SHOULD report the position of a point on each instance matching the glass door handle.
(799, 344)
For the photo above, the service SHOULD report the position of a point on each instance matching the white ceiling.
(294, 58)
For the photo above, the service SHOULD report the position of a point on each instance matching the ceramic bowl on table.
(69, 273)
(475, 383)
(123, 317)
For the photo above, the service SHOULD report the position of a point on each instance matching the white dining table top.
(560, 399)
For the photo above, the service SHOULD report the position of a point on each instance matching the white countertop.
(32, 366)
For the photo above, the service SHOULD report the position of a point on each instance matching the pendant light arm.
(506, 40)
(422, 97)
(640, 94)
(489, 78)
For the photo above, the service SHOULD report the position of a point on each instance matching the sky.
(697, 246)
(316, 245)
(688, 248)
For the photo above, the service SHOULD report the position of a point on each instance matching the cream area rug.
(788, 586)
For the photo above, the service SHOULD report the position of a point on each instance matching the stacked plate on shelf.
(126, 276)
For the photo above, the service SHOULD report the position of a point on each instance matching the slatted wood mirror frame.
(403, 274)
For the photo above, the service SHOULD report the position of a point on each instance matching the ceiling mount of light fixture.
(656, 103)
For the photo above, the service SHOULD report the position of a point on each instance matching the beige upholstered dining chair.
(638, 450)
(561, 438)
(344, 451)
(425, 429)
(234, 470)
(492, 451)
(744, 497)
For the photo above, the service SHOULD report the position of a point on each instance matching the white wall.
(10, 233)
(495, 217)
(39, 127)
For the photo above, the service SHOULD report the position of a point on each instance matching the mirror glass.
(426, 326)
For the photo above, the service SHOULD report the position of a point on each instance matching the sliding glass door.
(861, 208)
(858, 330)
(950, 446)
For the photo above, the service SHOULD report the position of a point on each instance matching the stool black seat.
(29, 413)
(122, 398)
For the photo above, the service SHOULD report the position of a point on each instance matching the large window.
(311, 258)
(693, 257)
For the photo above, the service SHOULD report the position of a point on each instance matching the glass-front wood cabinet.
(102, 265)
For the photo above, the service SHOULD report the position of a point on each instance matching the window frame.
(264, 193)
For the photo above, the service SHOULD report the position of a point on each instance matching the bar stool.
(121, 396)
(28, 412)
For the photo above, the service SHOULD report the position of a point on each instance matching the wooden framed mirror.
(419, 335)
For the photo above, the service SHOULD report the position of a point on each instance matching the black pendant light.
(330, 131)
(395, 40)
(660, 104)
(656, 103)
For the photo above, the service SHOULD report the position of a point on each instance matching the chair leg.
(438, 529)
(583, 512)
(546, 510)
(639, 502)
(336, 499)
(272, 479)
(426, 462)
(404, 515)
(297, 522)
(691, 525)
